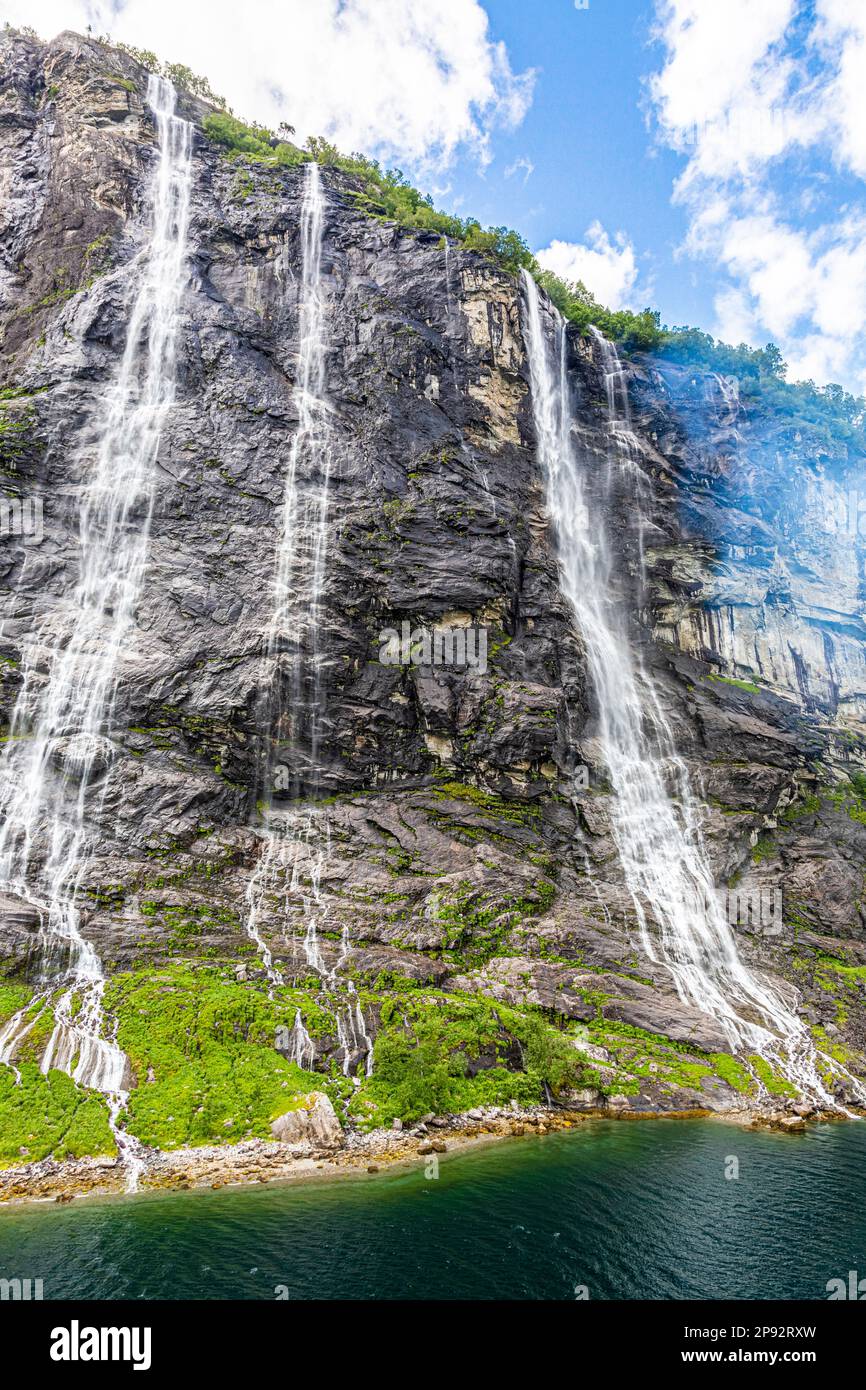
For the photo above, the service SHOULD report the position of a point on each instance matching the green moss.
(731, 1071)
(478, 925)
(202, 1047)
(808, 805)
(515, 812)
(851, 802)
(42, 1115)
(640, 1056)
(16, 427)
(12, 998)
(837, 1052)
(764, 848)
(775, 1084)
(750, 686)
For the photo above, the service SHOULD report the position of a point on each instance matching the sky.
(705, 157)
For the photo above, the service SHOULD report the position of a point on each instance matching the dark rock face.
(455, 855)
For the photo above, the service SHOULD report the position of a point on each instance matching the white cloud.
(743, 87)
(522, 165)
(608, 267)
(402, 79)
(841, 36)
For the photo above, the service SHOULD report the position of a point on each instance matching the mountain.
(303, 874)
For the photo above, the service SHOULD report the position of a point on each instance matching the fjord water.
(654, 817)
(628, 1210)
(63, 720)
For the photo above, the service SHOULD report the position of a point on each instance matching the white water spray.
(293, 636)
(68, 716)
(654, 815)
(292, 859)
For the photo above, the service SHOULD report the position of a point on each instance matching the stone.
(314, 1124)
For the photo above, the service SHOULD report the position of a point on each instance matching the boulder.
(314, 1123)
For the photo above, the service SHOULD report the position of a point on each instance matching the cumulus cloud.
(743, 89)
(607, 266)
(402, 79)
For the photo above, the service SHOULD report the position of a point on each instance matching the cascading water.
(654, 815)
(293, 856)
(293, 693)
(67, 716)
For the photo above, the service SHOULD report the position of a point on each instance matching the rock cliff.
(481, 902)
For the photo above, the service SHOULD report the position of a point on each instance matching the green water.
(640, 1210)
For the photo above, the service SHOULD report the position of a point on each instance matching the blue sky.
(707, 157)
(586, 134)
(586, 137)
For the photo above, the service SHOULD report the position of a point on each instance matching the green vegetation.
(251, 142)
(733, 1073)
(16, 424)
(640, 1056)
(849, 798)
(178, 73)
(635, 332)
(809, 804)
(42, 1115)
(775, 1084)
(828, 412)
(202, 1046)
(765, 847)
(431, 1043)
(12, 998)
(750, 686)
(477, 926)
(488, 803)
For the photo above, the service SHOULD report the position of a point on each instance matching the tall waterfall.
(296, 846)
(293, 691)
(655, 820)
(61, 727)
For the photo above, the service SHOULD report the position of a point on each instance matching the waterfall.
(293, 856)
(68, 714)
(302, 1049)
(655, 818)
(292, 703)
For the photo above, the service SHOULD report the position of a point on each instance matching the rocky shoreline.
(352, 1154)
